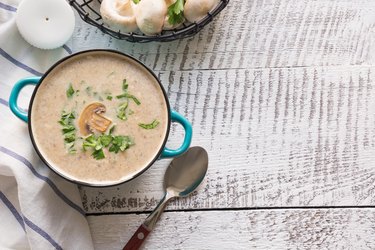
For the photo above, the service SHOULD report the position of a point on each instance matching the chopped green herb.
(70, 91)
(68, 130)
(120, 143)
(98, 154)
(89, 142)
(72, 150)
(151, 125)
(105, 140)
(134, 99)
(126, 95)
(109, 97)
(125, 85)
(136, 1)
(70, 136)
(122, 96)
(175, 12)
(122, 111)
(66, 117)
(112, 129)
(98, 142)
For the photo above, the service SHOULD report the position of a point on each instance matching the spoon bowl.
(185, 173)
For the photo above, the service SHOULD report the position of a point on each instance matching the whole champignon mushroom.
(167, 25)
(119, 14)
(195, 10)
(91, 119)
(150, 16)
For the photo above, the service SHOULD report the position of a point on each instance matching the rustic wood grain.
(259, 229)
(260, 33)
(281, 94)
(275, 137)
(286, 136)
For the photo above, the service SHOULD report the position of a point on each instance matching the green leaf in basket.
(175, 12)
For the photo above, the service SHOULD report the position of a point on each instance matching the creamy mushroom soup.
(99, 118)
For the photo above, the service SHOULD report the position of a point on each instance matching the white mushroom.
(150, 16)
(119, 14)
(167, 25)
(195, 10)
(91, 119)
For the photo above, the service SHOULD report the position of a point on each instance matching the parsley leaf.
(70, 91)
(136, 1)
(98, 142)
(89, 142)
(98, 154)
(109, 97)
(125, 85)
(151, 125)
(122, 111)
(126, 95)
(68, 130)
(120, 143)
(70, 137)
(175, 12)
(105, 140)
(112, 129)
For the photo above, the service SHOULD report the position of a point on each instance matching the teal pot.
(163, 152)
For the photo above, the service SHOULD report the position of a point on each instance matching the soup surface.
(99, 118)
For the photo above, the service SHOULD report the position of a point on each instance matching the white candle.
(46, 24)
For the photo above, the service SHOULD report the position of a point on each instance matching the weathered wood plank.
(275, 137)
(258, 229)
(251, 34)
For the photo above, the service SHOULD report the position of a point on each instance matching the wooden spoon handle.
(137, 239)
(140, 235)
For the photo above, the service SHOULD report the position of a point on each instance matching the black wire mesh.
(88, 10)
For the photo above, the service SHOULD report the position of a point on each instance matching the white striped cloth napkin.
(38, 209)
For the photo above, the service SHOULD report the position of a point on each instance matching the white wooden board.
(257, 229)
(281, 94)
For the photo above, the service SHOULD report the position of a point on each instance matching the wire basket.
(88, 10)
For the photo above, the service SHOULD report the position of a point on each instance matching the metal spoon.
(182, 177)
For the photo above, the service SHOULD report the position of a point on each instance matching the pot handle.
(177, 117)
(15, 93)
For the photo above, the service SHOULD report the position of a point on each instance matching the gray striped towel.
(38, 209)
